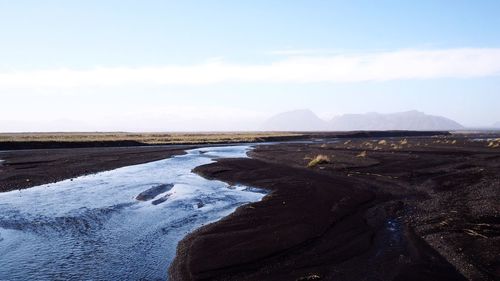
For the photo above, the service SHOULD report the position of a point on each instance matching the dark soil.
(400, 209)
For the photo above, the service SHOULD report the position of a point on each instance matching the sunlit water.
(93, 228)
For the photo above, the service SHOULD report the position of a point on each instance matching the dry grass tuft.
(319, 159)
(362, 154)
(396, 146)
(382, 142)
(309, 277)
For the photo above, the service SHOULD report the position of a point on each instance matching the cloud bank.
(376, 66)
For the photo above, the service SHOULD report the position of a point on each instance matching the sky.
(121, 65)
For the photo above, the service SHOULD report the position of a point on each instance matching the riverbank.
(377, 209)
(27, 168)
(32, 159)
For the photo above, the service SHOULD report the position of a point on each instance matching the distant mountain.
(306, 120)
(297, 120)
(410, 120)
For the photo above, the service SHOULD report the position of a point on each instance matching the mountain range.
(306, 120)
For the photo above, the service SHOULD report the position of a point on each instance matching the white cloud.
(377, 66)
(299, 52)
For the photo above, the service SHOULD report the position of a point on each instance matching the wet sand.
(400, 209)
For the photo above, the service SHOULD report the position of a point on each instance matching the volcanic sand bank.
(27, 168)
(392, 209)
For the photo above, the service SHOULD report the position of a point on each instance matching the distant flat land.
(9, 141)
(16, 141)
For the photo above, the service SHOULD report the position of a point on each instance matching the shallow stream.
(94, 228)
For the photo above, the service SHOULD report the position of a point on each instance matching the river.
(94, 228)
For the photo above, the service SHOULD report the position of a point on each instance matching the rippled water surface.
(93, 228)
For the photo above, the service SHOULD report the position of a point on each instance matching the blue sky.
(226, 65)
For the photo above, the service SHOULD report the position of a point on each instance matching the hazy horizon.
(228, 66)
(200, 125)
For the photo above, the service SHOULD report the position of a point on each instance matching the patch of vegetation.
(492, 144)
(309, 277)
(319, 159)
(362, 154)
(147, 138)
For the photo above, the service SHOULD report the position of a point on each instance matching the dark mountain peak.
(407, 120)
(306, 120)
